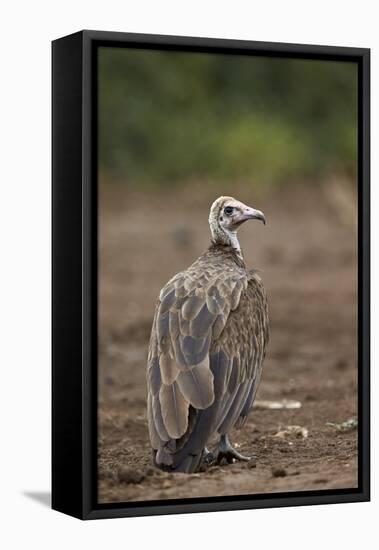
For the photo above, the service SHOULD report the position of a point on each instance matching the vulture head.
(226, 216)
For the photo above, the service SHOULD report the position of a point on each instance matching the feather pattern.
(197, 385)
(174, 410)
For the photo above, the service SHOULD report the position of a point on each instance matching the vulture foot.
(228, 452)
(224, 451)
(209, 458)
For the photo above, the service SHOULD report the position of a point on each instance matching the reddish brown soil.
(307, 253)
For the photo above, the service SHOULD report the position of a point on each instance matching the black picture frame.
(74, 273)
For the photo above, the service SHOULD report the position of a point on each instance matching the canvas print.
(227, 285)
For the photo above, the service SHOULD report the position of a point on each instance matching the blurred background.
(177, 130)
(165, 117)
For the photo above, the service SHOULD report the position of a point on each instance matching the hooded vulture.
(207, 346)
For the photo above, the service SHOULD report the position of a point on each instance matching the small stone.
(341, 364)
(252, 463)
(107, 472)
(283, 404)
(351, 424)
(292, 431)
(126, 474)
(278, 472)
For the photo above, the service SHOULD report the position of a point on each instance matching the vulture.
(207, 346)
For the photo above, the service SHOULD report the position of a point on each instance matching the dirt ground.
(307, 254)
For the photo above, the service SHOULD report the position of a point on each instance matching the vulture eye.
(228, 210)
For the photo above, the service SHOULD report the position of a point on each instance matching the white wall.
(26, 31)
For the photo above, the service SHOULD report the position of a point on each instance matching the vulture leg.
(227, 451)
(209, 458)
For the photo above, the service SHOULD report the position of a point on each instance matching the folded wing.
(206, 349)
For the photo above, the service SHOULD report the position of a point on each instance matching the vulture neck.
(228, 239)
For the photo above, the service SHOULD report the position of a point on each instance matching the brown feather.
(202, 323)
(154, 375)
(196, 385)
(154, 437)
(169, 370)
(192, 306)
(157, 418)
(173, 325)
(174, 410)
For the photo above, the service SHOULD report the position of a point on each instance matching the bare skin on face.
(226, 216)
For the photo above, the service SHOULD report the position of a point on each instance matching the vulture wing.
(206, 349)
(243, 342)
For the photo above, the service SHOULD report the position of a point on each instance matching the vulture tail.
(185, 454)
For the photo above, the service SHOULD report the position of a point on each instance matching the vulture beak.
(252, 214)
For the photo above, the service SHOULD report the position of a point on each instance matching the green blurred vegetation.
(174, 116)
